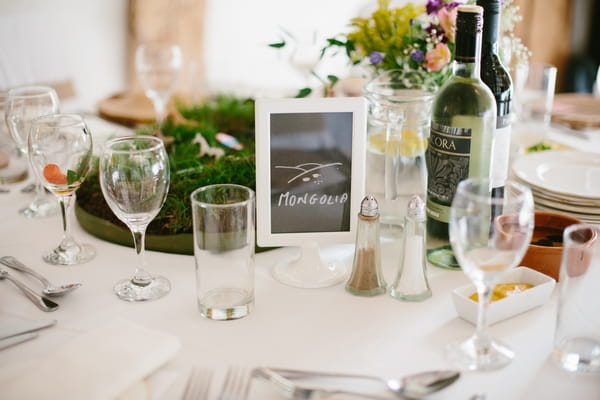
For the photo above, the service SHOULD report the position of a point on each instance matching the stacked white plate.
(563, 181)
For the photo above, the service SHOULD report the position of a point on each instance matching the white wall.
(43, 40)
(47, 41)
(238, 32)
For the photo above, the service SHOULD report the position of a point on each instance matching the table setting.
(325, 329)
(201, 312)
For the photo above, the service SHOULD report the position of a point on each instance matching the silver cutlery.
(198, 384)
(236, 384)
(412, 386)
(49, 288)
(41, 302)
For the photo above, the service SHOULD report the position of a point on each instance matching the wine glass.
(60, 153)
(13, 164)
(134, 177)
(22, 106)
(489, 236)
(158, 66)
(305, 56)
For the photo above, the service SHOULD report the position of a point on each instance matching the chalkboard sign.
(310, 163)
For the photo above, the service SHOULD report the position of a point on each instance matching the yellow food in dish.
(503, 290)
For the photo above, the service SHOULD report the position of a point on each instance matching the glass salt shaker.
(366, 278)
(411, 283)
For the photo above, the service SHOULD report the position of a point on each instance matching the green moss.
(227, 114)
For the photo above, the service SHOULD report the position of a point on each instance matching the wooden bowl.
(545, 250)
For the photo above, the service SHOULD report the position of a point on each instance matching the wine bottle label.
(448, 155)
(500, 152)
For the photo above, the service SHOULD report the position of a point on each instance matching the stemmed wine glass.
(158, 66)
(305, 56)
(22, 106)
(60, 153)
(134, 177)
(489, 236)
(13, 164)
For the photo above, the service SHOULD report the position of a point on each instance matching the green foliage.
(304, 92)
(224, 113)
(72, 177)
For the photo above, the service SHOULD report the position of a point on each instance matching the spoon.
(41, 302)
(412, 386)
(49, 289)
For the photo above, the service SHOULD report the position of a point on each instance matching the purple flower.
(417, 56)
(433, 6)
(450, 6)
(376, 57)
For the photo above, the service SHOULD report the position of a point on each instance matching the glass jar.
(398, 129)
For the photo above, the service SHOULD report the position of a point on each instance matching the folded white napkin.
(102, 364)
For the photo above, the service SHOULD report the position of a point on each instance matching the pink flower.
(447, 18)
(438, 57)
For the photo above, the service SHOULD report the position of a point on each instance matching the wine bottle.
(463, 120)
(497, 78)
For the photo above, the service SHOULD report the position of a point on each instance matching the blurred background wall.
(89, 43)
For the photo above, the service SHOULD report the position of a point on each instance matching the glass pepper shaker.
(411, 282)
(366, 278)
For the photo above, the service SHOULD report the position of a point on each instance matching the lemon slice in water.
(409, 145)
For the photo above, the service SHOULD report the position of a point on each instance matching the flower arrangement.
(418, 40)
(512, 49)
(415, 40)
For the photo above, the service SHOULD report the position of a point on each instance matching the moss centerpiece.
(199, 155)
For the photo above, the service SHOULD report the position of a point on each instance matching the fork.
(198, 384)
(236, 384)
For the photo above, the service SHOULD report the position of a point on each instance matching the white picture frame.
(273, 113)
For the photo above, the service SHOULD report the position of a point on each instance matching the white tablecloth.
(324, 329)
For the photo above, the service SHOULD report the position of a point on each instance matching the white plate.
(588, 204)
(590, 219)
(511, 305)
(570, 173)
(572, 207)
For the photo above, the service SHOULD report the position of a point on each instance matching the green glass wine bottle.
(463, 120)
(495, 75)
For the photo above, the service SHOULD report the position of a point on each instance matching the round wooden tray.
(127, 108)
(105, 230)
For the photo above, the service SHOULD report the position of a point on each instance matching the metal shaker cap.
(416, 207)
(369, 206)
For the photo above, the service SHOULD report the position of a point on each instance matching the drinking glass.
(60, 153)
(22, 106)
(134, 177)
(577, 331)
(158, 66)
(489, 236)
(535, 98)
(224, 236)
(13, 164)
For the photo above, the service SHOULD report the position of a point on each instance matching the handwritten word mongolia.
(290, 200)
